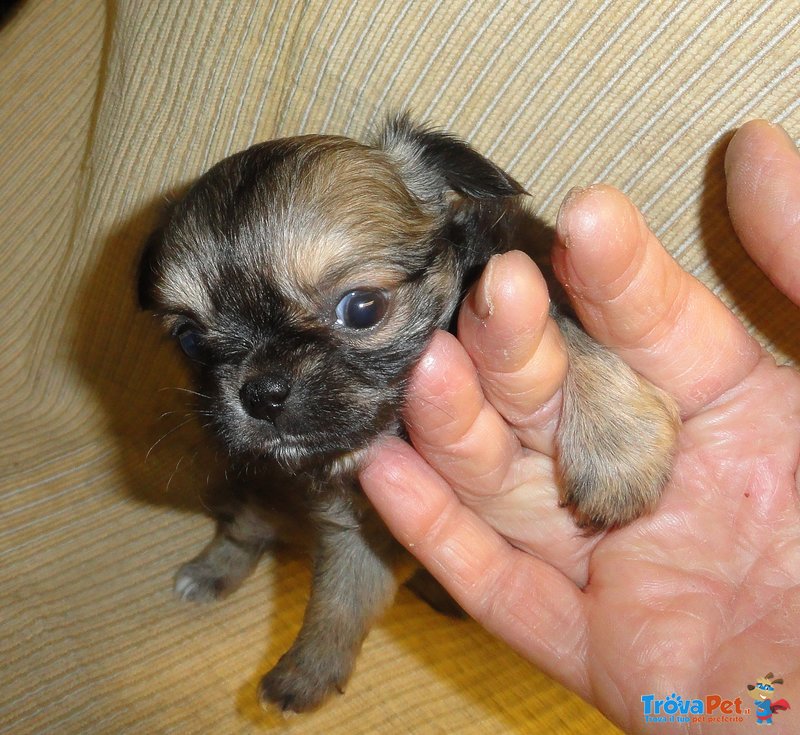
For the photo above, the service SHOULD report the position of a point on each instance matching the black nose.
(263, 397)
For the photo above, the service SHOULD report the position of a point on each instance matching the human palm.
(701, 597)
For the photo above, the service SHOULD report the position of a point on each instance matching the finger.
(454, 428)
(762, 167)
(631, 296)
(519, 598)
(516, 347)
(469, 444)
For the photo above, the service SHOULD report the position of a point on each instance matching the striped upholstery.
(108, 106)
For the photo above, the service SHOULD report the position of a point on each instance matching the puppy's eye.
(361, 309)
(190, 341)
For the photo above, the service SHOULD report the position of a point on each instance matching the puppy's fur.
(252, 273)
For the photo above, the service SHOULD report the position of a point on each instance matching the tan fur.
(616, 438)
(364, 219)
(354, 206)
(183, 292)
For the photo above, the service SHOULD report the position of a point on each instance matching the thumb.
(633, 297)
(762, 166)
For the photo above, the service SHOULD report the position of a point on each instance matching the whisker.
(169, 482)
(184, 390)
(173, 413)
(207, 506)
(164, 436)
(497, 221)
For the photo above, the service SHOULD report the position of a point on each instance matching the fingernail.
(482, 302)
(562, 230)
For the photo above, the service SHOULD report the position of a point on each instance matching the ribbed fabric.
(108, 107)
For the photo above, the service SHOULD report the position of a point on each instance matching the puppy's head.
(304, 277)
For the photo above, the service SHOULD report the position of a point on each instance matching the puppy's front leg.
(617, 435)
(355, 577)
(244, 530)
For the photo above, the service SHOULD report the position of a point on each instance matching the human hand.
(703, 595)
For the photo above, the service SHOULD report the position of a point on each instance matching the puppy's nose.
(263, 397)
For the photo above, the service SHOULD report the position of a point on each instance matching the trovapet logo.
(676, 709)
(713, 708)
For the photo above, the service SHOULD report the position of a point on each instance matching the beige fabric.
(105, 107)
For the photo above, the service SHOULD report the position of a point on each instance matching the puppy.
(303, 277)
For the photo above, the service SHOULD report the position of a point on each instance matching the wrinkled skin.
(702, 596)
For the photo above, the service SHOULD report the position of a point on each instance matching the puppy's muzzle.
(263, 397)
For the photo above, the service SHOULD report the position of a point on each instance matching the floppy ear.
(432, 163)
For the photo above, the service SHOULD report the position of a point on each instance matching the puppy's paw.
(301, 680)
(218, 571)
(608, 484)
(200, 581)
(616, 440)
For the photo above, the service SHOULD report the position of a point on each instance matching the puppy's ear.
(433, 163)
(152, 250)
